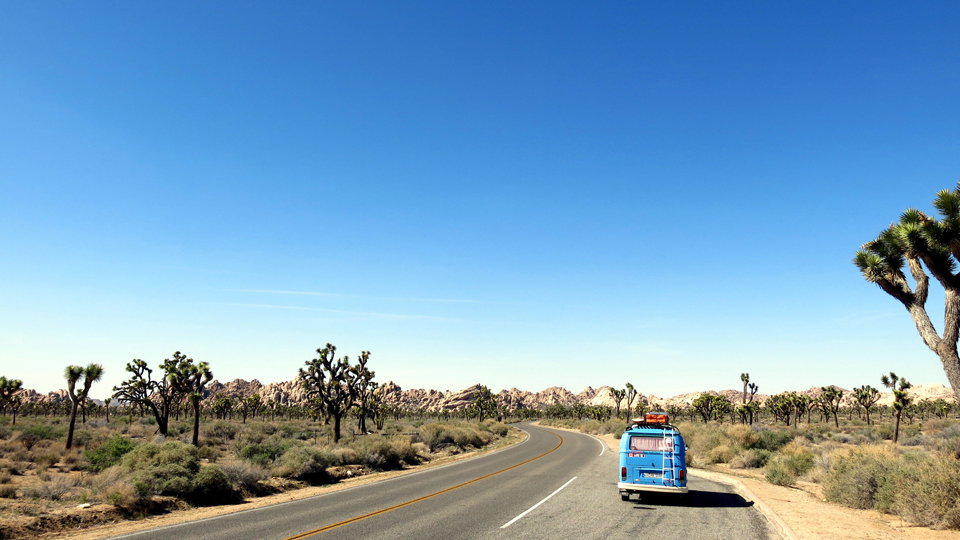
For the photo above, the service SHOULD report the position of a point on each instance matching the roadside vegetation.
(902, 459)
(160, 443)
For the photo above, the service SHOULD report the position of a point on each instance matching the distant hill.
(291, 393)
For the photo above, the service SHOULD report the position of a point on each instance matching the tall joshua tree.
(8, 387)
(630, 396)
(90, 374)
(899, 386)
(830, 398)
(618, 396)
(189, 379)
(866, 396)
(922, 244)
(745, 378)
(330, 381)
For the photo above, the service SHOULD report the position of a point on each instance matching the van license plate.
(653, 475)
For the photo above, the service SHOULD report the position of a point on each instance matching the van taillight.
(623, 473)
(683, 475)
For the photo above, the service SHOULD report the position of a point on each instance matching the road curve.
(555, 485)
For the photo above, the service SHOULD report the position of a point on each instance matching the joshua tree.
(922, 244)
(189, 379)
(899, 386)
(866, 397)
(745, 378)
(8, 387)
(618, 396)
(630, 396)
(331, 382)
(366, 388)
(830, 398)
(91, 374)
(156, 395)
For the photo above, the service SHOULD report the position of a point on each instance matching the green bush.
(304, 462)
(165, 469)
(750, 459)
(779, 474)
(798, 459)
(245, 476)
(855, 478)
(927, 491)
(109, 453)
(212, 486)
(376, 452)
(772, 440)
(265, 452)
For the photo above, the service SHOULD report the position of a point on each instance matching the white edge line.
(603, 445)
(532, 508)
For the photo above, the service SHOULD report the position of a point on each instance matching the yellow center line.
(425, 497)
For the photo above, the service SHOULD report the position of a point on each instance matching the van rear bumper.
(626, 486)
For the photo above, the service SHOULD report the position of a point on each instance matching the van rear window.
(651, 444)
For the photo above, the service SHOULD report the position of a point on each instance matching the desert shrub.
(927, 491)
(45, 460)
(4, 477)
(165, 469)
(82, 437)
(779, 474)
(402, 446)
(856, 477)
(256, 433)
(304, 462)
(264, 452)
(772, 440)
(209, 453)
(8, 492)
(55, 489)
(465, 436)
(742, 436)
(212, 486)
(719, 454)
(5, 432)
(750, 459)
(109, 453)
(798, 459)
(123, 495)
(224, 431)
(376, 452)
(435, 435)
(949, 447)
(500, 430)
(245, 476)
(345, 455)
(422, 450)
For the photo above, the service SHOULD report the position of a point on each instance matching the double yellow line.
(425, 497)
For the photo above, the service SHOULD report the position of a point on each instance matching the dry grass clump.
(304, 462)
(54, 489)
(245, 476)
(920, 487)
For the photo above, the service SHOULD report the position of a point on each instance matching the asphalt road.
(485, 497)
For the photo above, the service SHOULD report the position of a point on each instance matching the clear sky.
(517, 194)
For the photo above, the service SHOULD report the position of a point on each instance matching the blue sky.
(518, 195)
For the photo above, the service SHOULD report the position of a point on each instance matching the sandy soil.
(811, 517)
(192, 514)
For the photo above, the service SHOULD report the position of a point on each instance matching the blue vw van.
(653, 457)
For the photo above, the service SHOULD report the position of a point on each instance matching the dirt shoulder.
(804, 510)
(104, 513)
